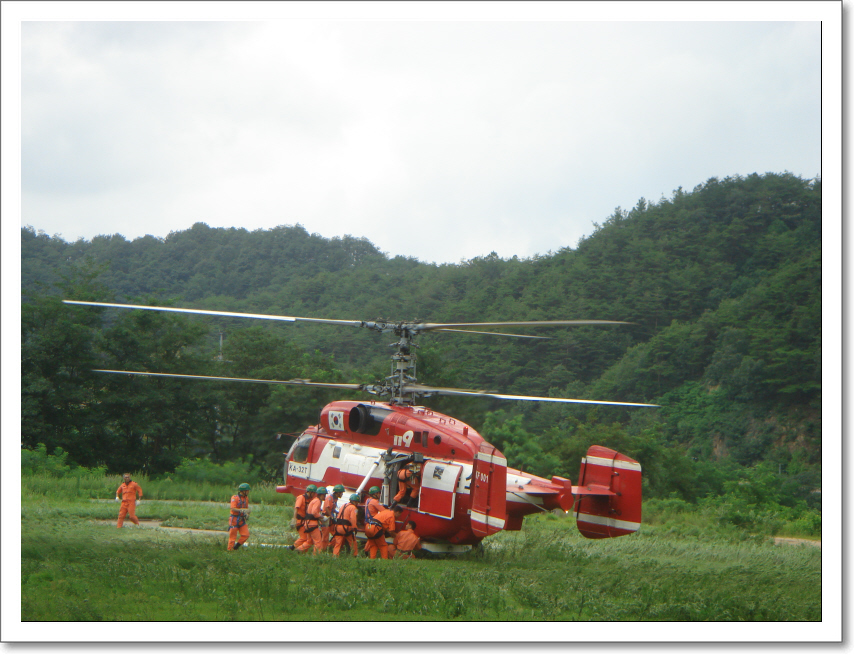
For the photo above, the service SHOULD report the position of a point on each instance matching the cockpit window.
(300, 450)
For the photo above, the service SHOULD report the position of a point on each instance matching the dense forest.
(720, 286)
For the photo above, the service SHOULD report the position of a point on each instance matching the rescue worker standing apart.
(127, 493)
(345, 527)
(237, 517)
(300, 508)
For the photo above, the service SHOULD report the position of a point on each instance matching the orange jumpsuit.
(406, 541)
(416, 483)
(128, 493)
(407, 482)
(313, 532)
(237, 521)
(344, 533)
(327, 510)
(300, 521)
(377, 534)
(372, 506)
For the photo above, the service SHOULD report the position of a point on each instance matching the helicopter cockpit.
(299, 451)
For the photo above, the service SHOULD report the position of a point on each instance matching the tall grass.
(97, 485)
(77, 569)
(727, 516)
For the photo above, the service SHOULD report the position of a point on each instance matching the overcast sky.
(443, 140)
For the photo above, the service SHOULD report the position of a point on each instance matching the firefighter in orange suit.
(379, 527)
(314, 515)
(238, 514)
(372, 506)
(328, 511)
(300, 508)
(345, 527)
(409, 486)
(406, 543)
(127, 493)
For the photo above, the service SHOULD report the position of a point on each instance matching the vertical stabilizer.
(608, 498)
(487, 488)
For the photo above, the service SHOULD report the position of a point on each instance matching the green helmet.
(244, 487)
(354, 498)
(322, 491)
(338, 489)
(311, 489)
(374, 490)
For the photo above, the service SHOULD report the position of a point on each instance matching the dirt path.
(798, 542)
(171, 502)
(155, 523)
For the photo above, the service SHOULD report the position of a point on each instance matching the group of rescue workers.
(319, 521)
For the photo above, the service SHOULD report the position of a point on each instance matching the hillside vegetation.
(721, 286)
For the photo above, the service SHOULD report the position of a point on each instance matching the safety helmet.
(338, 489)
(374, 490)
(311, 489)
(244, 487)
(322, 491)
(354, 498)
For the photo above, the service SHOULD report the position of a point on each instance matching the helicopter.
(467, 490)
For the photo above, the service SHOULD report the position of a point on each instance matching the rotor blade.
(211, 312)
(421, 389)
(425, 327)
(294, 382)
(498, 334)
(379, 326)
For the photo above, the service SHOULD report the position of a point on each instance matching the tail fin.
(489, 475)
(608, 498)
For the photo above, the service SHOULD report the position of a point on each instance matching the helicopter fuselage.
(467, 491)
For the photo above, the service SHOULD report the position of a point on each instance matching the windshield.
(300, 450)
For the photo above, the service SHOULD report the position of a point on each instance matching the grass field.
(76, 566)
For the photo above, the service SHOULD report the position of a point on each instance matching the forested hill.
(721, 285)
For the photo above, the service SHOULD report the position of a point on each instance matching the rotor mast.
(403, 368)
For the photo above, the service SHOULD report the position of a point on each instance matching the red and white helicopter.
(468, 492)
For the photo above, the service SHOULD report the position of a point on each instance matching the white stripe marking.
(617, 463)
(610, 522)
(492, 459)
(492, 521)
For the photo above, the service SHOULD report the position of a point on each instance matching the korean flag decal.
(336, 420)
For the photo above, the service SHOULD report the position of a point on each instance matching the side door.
(439, 483)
